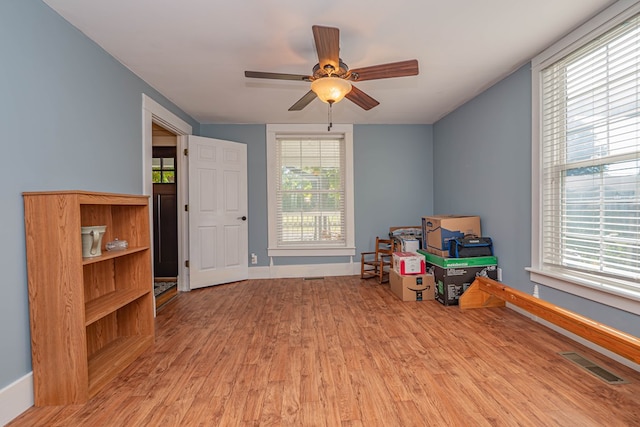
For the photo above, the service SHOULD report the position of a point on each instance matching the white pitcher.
(92, 240)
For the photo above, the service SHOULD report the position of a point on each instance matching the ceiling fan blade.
(304, 101)
(327, 45)
(361, 99)
(276, 76)
(386, 71)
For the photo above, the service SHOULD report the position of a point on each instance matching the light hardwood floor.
(346, 352)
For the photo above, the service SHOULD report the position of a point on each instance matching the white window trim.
(308, 129)
(593, 287)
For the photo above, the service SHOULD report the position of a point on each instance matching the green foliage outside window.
(163, 171)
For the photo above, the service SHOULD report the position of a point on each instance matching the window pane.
(168, 177)
(155, 163)
(168, 163)
(155, 177)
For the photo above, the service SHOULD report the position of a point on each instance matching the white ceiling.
(195, 52)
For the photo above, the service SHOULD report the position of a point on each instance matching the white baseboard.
(16, 398)
(259, 273)
(579, 339)
(306, 270)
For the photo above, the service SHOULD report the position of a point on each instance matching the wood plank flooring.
(346, 352)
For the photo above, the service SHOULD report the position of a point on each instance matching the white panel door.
(218, 227)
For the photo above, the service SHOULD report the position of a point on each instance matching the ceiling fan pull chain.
(329, 117)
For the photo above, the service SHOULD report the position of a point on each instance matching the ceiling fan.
(331, 78)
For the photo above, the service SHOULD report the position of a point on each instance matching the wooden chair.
(378, 263)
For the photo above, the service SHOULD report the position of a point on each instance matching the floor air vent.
(593, 368)
(313, 278)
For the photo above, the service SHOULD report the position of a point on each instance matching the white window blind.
(310, 191)
(590, 158)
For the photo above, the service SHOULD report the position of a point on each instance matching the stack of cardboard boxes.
(408, 278)
(453, 275)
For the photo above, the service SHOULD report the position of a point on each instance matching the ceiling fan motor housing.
(330, 70)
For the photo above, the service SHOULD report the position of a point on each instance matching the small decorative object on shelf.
(117, 245)
(92, 240)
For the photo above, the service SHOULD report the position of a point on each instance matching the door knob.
(244, 218)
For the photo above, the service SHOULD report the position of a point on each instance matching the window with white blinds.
(309, 192)
(590, 159)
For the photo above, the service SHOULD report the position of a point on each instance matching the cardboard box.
(437, 230)
(417, 287)
(408, 263)
(409, 244)
(453, 276)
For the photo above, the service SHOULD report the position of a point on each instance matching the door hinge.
(186, 263)
(186, 208)
(186, 151)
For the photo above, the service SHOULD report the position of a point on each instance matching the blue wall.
(71, 119)
(393, 178)
(482, 166)
(392, 182)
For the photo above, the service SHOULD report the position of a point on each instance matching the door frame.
(153, 112)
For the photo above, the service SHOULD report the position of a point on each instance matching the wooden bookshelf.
(92, 317)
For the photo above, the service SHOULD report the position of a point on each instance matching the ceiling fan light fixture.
(331, 89)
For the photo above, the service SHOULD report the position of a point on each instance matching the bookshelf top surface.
(95, 197)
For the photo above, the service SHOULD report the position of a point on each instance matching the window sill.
(302, 251)
(589, 287)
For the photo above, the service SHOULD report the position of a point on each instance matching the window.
(310, 190)
(587, 161)
(164, 170)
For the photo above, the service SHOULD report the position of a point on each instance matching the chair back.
(384, 247)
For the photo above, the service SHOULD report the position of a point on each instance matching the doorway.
(165, 215)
